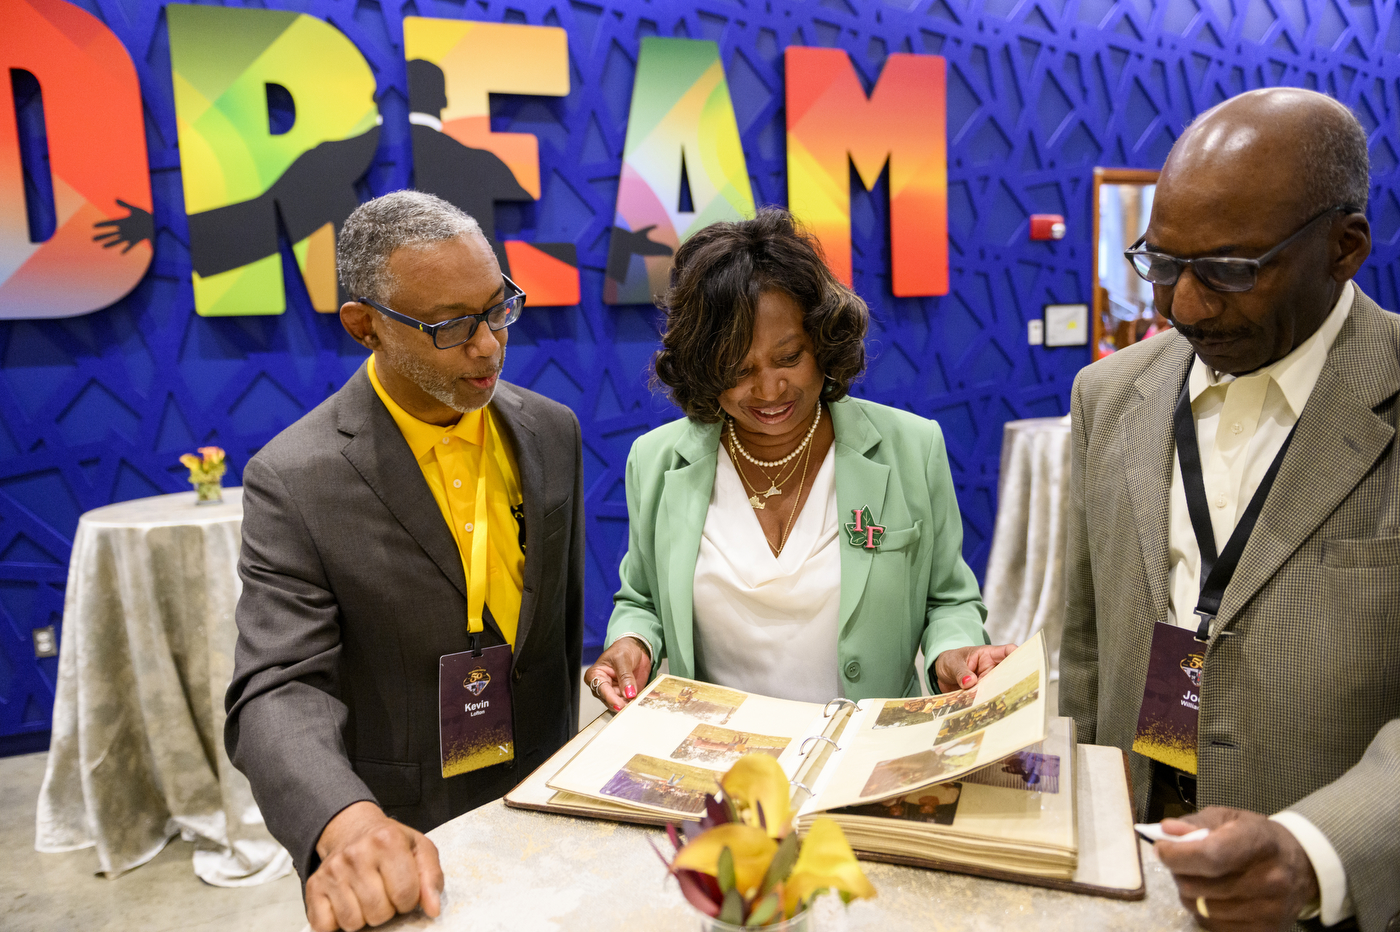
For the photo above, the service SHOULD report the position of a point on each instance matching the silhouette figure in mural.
(468, 178)
(628, 243)
(316, 189)
(137, 225)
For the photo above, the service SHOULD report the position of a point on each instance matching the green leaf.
(781, 865)
(764, 910)
(732, 911)
(724, 873)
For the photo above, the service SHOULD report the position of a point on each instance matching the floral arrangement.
(743, 864)
(205, 473)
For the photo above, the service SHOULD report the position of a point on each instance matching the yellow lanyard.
(491, 446)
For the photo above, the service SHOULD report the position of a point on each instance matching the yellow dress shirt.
(1241, 424)
(452, 459)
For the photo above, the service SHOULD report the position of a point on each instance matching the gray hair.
(378, 227)
(1335, 162)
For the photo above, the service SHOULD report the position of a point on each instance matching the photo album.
(980, 781)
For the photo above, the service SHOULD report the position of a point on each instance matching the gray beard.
(431, 381)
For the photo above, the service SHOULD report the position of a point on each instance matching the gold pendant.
(772, 490)
(753, 500)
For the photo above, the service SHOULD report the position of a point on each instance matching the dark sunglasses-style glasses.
(1218, 273)
(459, 330)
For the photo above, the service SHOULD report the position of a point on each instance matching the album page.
(894, 746)
(669, 746)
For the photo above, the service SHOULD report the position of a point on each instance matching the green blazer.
(912, 591)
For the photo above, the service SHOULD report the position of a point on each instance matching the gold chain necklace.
(775, 485)
(759, 504)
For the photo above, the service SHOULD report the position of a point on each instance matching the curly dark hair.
(718, 276)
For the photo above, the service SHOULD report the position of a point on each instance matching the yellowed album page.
(894, 746)
(670, 745)
(1017, 814)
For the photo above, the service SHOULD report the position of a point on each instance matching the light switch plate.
(1066, 324)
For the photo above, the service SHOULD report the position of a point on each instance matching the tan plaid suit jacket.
(1300, 703)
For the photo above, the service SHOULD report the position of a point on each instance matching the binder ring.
(802, 748)
(826, 709)
(803, 786)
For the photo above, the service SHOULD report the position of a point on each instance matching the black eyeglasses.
(1218, 273)
(459, 330)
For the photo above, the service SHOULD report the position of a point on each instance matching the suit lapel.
(381, 456)
(860, 483)
(685, 499)
(1148, 448)
(1339, 438)
(519, 429)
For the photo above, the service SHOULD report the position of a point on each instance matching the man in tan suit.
(1282, 357)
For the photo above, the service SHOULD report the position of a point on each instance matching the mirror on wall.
(1123, 310)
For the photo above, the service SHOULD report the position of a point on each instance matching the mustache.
(1210, 335)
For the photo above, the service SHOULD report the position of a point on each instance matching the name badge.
(1171, 700)
(475, 728)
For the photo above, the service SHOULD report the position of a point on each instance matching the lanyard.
(1216, 571)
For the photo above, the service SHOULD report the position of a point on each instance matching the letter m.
(903, 123)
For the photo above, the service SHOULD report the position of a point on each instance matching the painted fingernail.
(617, 708)
(631, 692)
(967, 679)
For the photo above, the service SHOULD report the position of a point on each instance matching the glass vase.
(208, 493)
(799, 923)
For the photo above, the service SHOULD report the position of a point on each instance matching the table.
(1024, 588)
(137, 754)
(511, 869)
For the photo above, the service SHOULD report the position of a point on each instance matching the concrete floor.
(44, 892)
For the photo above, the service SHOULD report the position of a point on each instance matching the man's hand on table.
(615, 678)
(372, 869)
(1250, 872)
(961, 667)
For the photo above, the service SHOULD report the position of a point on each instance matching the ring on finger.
(1201, 907)
(593, 684)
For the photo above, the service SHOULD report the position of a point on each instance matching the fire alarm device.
(1047, 226)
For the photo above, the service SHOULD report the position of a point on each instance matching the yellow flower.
(826, 861)
(751, 849)
(191, 461)
(212, 455)
(754, 779)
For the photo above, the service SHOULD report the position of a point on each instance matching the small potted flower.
(743, 866)
(205, 474)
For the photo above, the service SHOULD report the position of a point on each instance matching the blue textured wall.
(97, 408)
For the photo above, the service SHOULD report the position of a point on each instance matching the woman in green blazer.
(854, 560)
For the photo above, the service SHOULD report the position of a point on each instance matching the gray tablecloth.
(137, 754)
(1024, 589)
(508, 869)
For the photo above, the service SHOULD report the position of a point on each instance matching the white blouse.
(767, 624)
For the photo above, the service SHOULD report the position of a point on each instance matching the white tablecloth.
(137, 754)
(1024, 589)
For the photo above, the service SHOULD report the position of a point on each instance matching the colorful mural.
(243, 182)
(683, 167)
(831, 125)
(97, 171)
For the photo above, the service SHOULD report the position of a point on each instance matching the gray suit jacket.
(353, 587)
(1300, 703)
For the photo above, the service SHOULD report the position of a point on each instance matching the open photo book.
(980, 781)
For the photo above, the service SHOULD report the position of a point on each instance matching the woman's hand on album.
(961, 667)
(619, 673)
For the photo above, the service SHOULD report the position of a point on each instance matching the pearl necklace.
(811, 432)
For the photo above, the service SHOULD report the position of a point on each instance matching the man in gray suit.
(1257, 229)
(355, 584)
